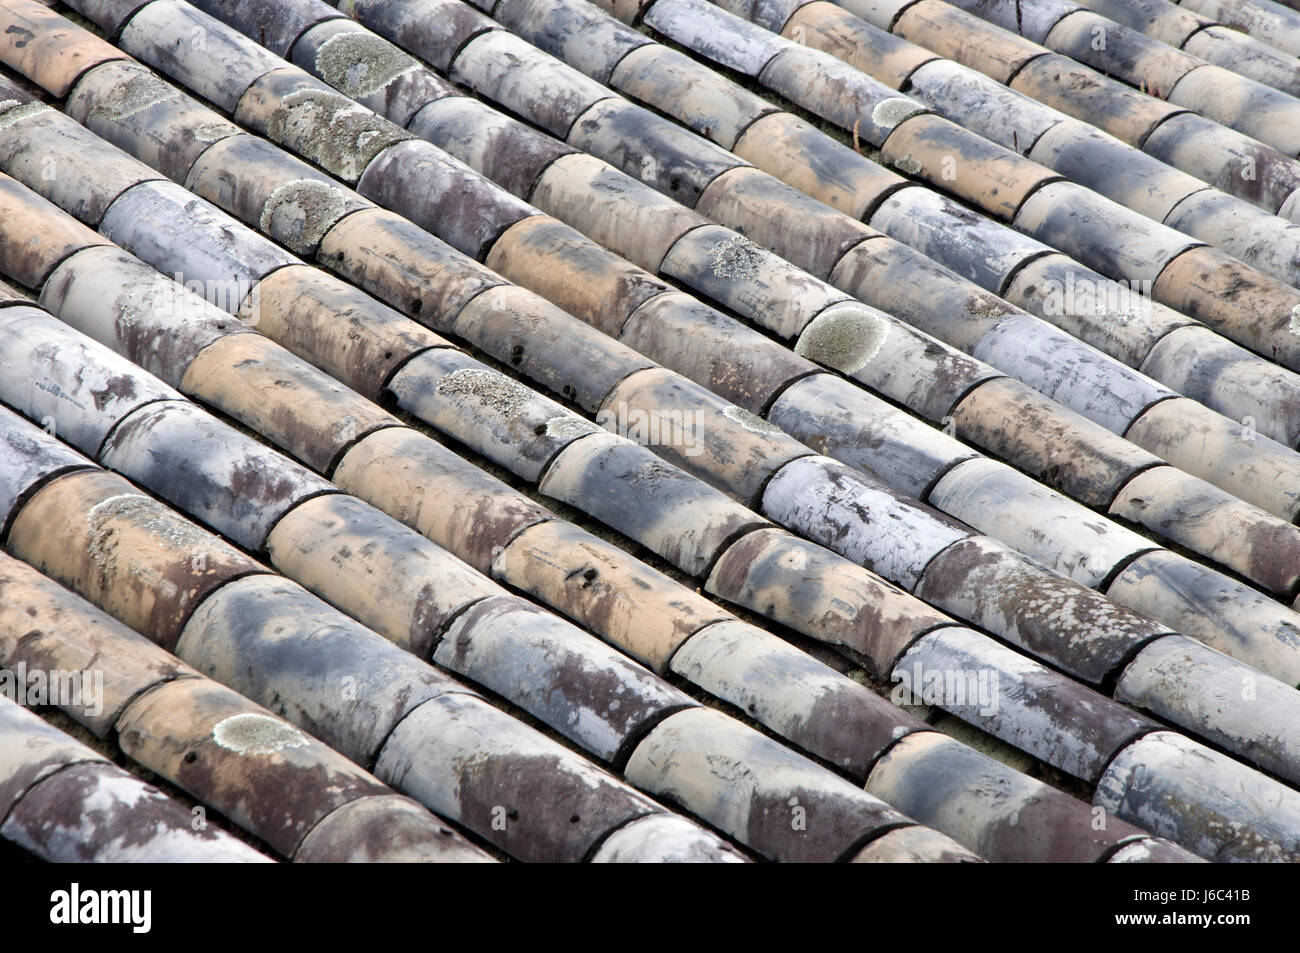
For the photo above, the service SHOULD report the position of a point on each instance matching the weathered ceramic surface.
(442, 195)
(34, 236)
(194, 49)
(1057, 447)
(378, 571)
(1220, 612)
(892, 358)
(404, 266)
(1248, 233)
(1032, 21)
(814, 591)
(802, 156)
(1156, 18)
(431, 29)
(193, 241)
(834, 417)
(1132, 178)
(879, 13)
(314, 121)
(121, 302)
(574, 683)
(1225, 377)
(973, 100)
(275, 24)
(825, 26)
(1112, 317)
(125, 552)
(1220, 699)
(336, 326)
(421, 483)
(1051, 529)
(1056, 619)
(675, 515)
(701, 342)
(505, 150)
(29, 456)
(1179, 789)
(1102, 234)
(550, 347)
(948, 786)
(862, 520)
(508, 71)
(66, 163)
(1078, 90)
(385, 829)
(722, 444)
(1235, 300)
(1242, 104)
(289, 402)
(33, 750)
(1274, 23)
(371, 70)
(801, 699)
(45, 627)
(74, 387)
(47, 49)
(261, 772)
(572, 30)
(664, 838)
(1205, 519)
(672, 82)
(769, 14)
(269, 190)
(715, 34)
(1068, 371)
(1229, 454)
(839, 93)
(492, 414)
(236, 484)
(567, 268)
(1151, 851)
(504, 781)
(280, 646)
(756, 204)
(657, 151)
(974, 246)
(947, 31)
(638, 609)
(627, 217)
(759, 792)
(914, 845)
(109, 15)
(1246, 55)
(1014, 698)
(1123, 53)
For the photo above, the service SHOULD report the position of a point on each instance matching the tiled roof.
(651, 431)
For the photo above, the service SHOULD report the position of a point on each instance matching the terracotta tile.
(33, 750)
(879, 13)
(530, 786)
(431, 29)
(1125, 54)
(801, 155)
(424, 485)
(337, 327)
(1156, 18)
(788, 691)
(125, 552)
(700, 342)
(664, 838)
(1149, 851)
(973, 100)
(506, 151)
(584, 38)
(109, 15)
(1056, 619)
(1242, 104)
(283, 398)
(672, 82)
(1273, 23)
(385, 829)
(769, 14)
(567, 268)
(1032, 21)
(951, 32)
(236, 484)
(75, 388)
(1249, 234)
(625, 216)
(579, 686)
(1056, 446)
(275, 24)
(48, 49)
(126, 104)
(826, 26)
(914, 845)
(714, 34)
(601, 473)
(548, 346)
(1205, 519)
(1246, 55)
(29, 457)
(492, 414)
